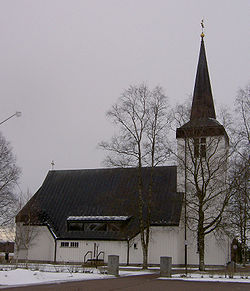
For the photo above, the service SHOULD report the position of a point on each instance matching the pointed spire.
(203, 119)
(203, 105)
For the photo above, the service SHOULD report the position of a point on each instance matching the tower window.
(196, 147)
(200, 147)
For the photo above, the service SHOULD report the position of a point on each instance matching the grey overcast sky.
(63, 63)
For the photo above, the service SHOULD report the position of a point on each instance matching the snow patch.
(27, 277)
(211, 278)
(98, 218)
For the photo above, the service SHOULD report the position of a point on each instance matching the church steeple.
(203, 118)
(203, 105)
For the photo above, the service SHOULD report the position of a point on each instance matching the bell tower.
(202, 145)
(194, 138)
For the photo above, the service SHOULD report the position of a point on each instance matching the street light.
(17, 114)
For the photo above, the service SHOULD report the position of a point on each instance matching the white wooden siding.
(164, 241)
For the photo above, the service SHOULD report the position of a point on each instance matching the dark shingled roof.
(201, 127)
(102, 192)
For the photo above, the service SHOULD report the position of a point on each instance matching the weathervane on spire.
(202, 28)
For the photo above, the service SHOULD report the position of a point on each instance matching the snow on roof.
(99, 218)
(52, 231)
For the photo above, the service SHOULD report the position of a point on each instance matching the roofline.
(202, 131)
(106, 169)
(95, 239)
(98, 218)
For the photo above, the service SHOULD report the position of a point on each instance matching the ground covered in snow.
(25, 277)
(211, 278)
(22, 276)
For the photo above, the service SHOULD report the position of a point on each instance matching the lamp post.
(17, 114)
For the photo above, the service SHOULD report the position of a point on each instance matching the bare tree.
(239, 210)
(207, 194)
(9, 175)
(239, 217)
(243, 118)
(181, 113)
(213, 201)
(141, 118)
(202, 159)
(25, 231)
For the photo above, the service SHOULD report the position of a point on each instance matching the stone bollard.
(113, 265)
(166, 266)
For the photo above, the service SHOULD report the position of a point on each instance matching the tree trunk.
(245, 215)
(201, 240)
(26, 259)
(201, 254)
(141, 218)
(145, 256)
(243, 246)
(17, 257)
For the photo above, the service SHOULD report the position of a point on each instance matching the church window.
(102, 226)
(200, 147)
(114, 227)
(75, 226)
(203, 147)
(93, 226)
(74, 244)
(96, 223)
(64, 244)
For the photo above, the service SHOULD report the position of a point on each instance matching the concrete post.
(165, 266)
(113, 265)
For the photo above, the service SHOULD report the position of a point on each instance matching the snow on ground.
(211, 278)
(22, 276)
(26, 277)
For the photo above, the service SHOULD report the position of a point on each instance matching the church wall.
(220, 152)
(217, 250)
(169, 241)
(40, 244)
(217, 247)
(21, 254)
(76, 254)
(135, 250)
(166, 241)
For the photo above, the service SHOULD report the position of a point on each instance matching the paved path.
(135, 283)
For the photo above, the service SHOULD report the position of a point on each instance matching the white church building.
(82, 215)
